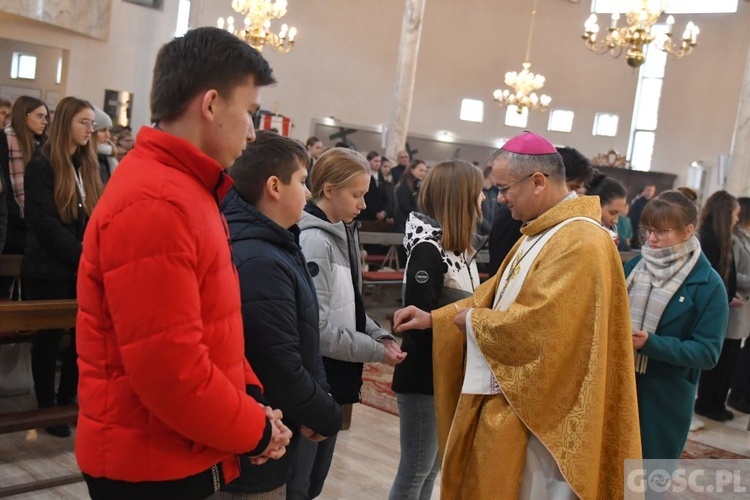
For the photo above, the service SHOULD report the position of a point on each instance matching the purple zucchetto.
(529, 143)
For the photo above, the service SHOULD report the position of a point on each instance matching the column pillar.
(738, 179)
(406, 70)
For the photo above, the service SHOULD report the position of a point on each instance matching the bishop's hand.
(411, 318)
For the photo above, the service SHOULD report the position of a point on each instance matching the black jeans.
(713, 386)
(46, 348)
(741, 375)
(310, 468)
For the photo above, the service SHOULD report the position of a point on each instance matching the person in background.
(62, 188)
(624, 229)
(440, 270)
(636, 207)
(506, 230)
(717, 221)
(106, 152)
(282, 341)
(407, 192)
(390, 192)
(739, 318)
(314, 148)
(26, 133)
(123, 141)
(348, 336)
(402, 162)
(375, 199)
(163, 377)
(612, 198)
(5, 107)
(490, 205)
(678, 311)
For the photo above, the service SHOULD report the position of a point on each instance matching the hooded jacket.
(332, 253)
(282, 342)
(433, 278)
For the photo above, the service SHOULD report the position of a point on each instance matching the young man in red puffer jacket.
(163, 391)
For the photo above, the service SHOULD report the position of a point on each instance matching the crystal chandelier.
(641, 17)
(524, 84)
(257, 24)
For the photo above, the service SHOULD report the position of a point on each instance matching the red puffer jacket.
(159, 332)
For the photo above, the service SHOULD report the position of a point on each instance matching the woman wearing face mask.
(62, 187)
(106, 152)
(26, 133)
(679, 312)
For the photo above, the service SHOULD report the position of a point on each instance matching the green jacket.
(688, 339)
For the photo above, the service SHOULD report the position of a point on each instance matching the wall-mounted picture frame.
(12, 92)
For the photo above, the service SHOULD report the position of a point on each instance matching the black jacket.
(425, 287)
(3, 208)
(505, 232)
(376, 199)
(15, 239)
(406, 203)
(53, 247)
(282, 341)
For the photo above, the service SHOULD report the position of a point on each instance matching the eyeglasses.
(40, 116)
(88, 123)
(644, 232)
(255, 116)
(503, 190)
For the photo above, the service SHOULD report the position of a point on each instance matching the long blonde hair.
(57, 150)
(337, 167)
(450, 195)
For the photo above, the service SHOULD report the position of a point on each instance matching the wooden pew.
(20, 322)
(392, 240)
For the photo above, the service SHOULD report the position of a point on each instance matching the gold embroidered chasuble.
(562, 355)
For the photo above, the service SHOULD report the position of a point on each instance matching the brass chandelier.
(524, 84)
(638, 33)
(257, 24)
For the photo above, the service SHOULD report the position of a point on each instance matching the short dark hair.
(270, 154)
(204, 58)
(577, 166)
(311, 141)
(606, 188)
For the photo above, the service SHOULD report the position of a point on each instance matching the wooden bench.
(21, 321)
(392, 240)
(383, 277)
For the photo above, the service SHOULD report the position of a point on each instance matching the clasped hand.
(280, 437)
